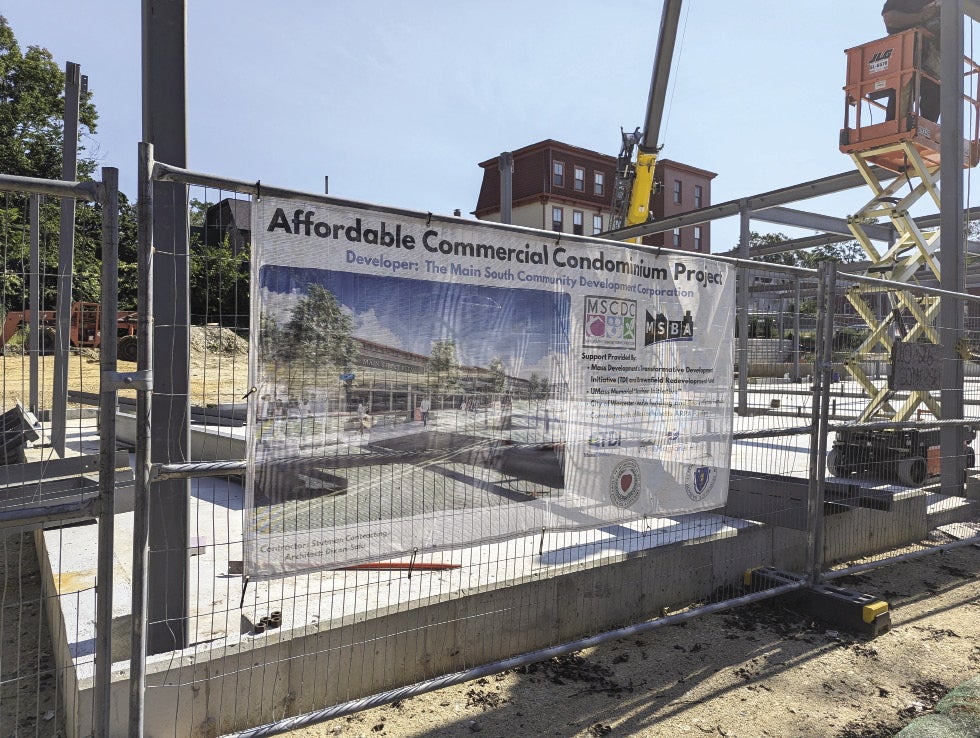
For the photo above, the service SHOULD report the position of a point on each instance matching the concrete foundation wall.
(208, 691)
(283, 673)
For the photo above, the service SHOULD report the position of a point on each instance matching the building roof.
(550, 143)
(671, 164)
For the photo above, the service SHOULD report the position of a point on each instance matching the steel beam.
(818, 222)
(783, 196)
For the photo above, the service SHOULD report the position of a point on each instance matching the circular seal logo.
(699, 481)
(624, 484)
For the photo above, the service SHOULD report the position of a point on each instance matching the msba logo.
(610, 323)
(660, 329)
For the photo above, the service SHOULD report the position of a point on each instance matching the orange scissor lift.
(891, 121)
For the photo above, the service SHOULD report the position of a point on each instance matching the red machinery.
(84, 328)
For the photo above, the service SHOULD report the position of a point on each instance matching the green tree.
(32, 104)
(845, 253)
(219, 280)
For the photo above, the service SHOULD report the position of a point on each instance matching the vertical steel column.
(34, 305)
(165, 126)
(820, 415)
(66, 253)
(107, 447)
(952, 240)
(742, 310)
(796, 330)
(144, 362)
(506, 166)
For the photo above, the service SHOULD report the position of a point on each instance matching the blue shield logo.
(702, 476)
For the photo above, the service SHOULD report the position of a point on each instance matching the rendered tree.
(320, 332)
(498, 377)
(544, 389)
(444, 365)
(533, 386)
(312, 348)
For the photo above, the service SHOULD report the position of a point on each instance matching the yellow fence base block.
(871, 612)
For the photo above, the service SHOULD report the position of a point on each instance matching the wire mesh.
(47, 585)
(900, 472)
(266, 649)
(331, 641)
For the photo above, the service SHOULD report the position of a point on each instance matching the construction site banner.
(424, 384)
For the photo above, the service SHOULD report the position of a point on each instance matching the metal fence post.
(820, 416)
(144, 363)
(742, 310)
(952, 246)
(34, 304)
(66, 250)
(107, 447)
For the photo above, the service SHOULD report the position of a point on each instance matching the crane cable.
(678, 53)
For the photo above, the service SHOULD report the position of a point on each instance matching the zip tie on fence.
(244, 587)
(251, 391)
(411, 564)
(541, 546)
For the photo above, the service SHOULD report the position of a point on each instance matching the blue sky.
(398, 101)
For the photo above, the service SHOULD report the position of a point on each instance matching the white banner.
(427, 384)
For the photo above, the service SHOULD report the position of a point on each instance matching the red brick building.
(559, 187)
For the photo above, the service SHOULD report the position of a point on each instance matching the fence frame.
(106, 194)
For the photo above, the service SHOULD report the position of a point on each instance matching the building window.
(697, 238)
(578, 222)
(556, 219)
(598, 185)
(579, 179)
(698, 194)
(677, 238)
(596, 224)
(558, 174)
(677, 192)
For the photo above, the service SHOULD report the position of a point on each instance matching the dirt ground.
(761, 670)
(758, 671)
(218, 371)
